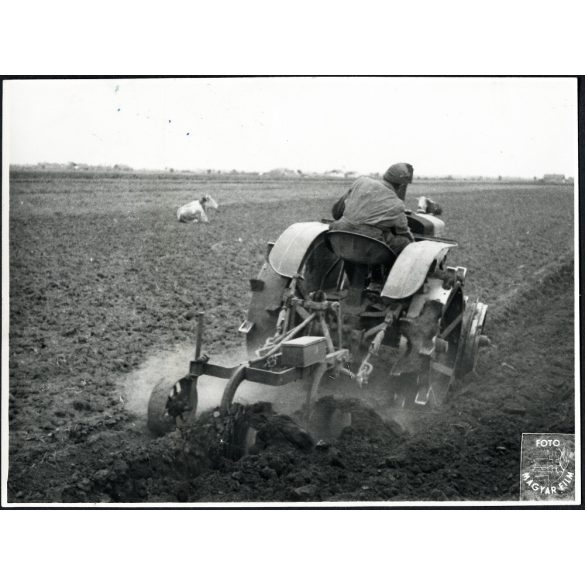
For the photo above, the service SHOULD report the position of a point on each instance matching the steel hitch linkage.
(366, 368)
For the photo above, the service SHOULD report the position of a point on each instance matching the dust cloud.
(172, 365)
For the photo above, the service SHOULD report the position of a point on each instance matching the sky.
(461, 126)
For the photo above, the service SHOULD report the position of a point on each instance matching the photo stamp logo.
(547, 467)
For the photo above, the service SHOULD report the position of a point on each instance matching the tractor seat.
(359, 249)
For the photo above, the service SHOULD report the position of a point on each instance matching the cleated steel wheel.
(444, 367)
(472, 338)
(428, 385)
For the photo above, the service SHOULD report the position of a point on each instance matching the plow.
(332, 308)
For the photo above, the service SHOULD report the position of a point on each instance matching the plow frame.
(252, 374)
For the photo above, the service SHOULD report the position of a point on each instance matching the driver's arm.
(401, 227)
(339, 207)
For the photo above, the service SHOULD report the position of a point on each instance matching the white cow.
(195, 211)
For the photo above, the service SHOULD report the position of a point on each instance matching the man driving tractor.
(376, 208)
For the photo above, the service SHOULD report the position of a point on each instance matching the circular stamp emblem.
(547, 468)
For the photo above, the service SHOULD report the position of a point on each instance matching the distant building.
(552, 178)
(281, 172)
(335, 173)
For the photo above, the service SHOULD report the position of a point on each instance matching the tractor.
(332, 308)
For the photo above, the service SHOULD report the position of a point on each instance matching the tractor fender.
(412, 266)
(289, 251)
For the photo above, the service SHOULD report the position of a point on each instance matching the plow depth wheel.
(159, 420)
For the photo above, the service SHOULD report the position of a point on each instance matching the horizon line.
(343, 173)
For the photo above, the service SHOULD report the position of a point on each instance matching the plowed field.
(104, 287)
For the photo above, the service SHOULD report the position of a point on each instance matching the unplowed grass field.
(104, 280)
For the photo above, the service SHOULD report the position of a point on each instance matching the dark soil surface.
(105, 285)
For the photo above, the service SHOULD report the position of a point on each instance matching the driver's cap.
(400, 173)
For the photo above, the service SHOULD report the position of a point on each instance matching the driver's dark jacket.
(373, 203)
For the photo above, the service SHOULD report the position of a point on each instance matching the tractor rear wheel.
(267, 291)
(429, 385)
(471, 338)
(319, 270)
